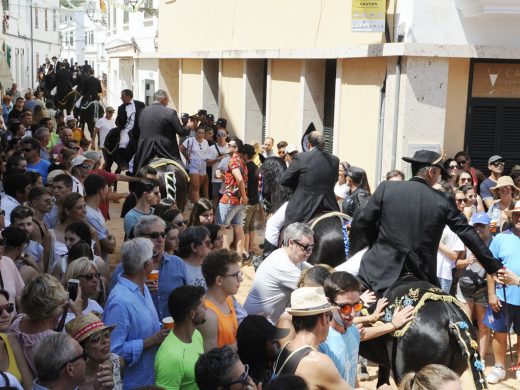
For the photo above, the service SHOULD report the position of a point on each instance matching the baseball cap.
(69, 118)
(256, 327)
(92, 155)
(110, 109)
(221, 122)
(355, 173)
(480, 218)
(495, 158)
(291, 148)
(515, 169)
(78, 160)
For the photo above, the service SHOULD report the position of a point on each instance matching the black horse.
(89, 112)
(440, 333)
(173, 180)
(68, 103)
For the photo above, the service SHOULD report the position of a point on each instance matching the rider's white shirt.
(352, 264)
(275, 224)
(130, 113)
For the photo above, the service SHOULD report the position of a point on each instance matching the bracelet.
(395, 327)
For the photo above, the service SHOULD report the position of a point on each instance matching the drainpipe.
(380, 133)
(395, 125)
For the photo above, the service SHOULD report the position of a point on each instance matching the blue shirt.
(506, 247)
(41, 167)
(131, 219)
(343, 349)
(172, 274)
(136, 319)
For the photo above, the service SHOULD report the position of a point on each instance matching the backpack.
(112, 140)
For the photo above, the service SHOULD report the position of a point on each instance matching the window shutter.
(329, 99)
(482, 133)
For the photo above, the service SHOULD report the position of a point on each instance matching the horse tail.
(459, 330)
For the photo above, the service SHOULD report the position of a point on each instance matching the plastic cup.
(168, 323)
(153, 276)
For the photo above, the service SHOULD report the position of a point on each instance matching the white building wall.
(45, 37)
(130, 36)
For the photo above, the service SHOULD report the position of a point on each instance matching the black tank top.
(288, 367)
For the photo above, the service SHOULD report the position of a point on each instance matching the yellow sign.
(368, 15)
(496, 80)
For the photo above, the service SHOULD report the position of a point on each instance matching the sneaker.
(497, 374)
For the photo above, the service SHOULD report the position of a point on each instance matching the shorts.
(478, 297)
(497, 321)
(249, 217)
(197, 167)
(230, 214)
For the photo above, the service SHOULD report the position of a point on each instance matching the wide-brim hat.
(427, 158)
(85, 325)
(509, 213)
(308, 301)
(505, 181)
(78, 160)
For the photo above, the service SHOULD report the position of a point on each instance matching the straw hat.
(84, 326)
(509, 213)
(308, 301)
(504, 181)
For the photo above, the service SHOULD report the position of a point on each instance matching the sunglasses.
(8, 308)
(83, 356)
(306, 248)
(461, 200)
(346, 308)
(86, 166)
(244, 378)
(96, 337)
(76, 148)
(461, 162)
(156, 235)
(464, 179)
(238, 275)
(91, 275)
(498, 163)
(26, 150)
(454, 166)
(233, 145)
(181, 223)
(219, 134)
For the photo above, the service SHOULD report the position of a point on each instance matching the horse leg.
(383, 376)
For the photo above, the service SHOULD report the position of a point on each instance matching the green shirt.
(53, 141)
(175, 362)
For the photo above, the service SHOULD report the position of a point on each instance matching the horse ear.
(310, 128)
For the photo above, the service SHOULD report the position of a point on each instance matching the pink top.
(28, 341)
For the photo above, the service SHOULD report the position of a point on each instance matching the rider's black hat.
(426, 158)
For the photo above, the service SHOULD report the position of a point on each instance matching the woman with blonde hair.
(43, 302)
(86, 271)
(504, 192)
(431, 377)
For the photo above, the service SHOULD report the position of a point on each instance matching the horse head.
(272, 191)
(173, 180)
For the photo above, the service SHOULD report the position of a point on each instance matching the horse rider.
(91, 87)
(160, 139)
(403, 223)
(63, 81)
(312, 175)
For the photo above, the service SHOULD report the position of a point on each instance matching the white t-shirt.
(212, 154)
(105, 125)
(275, 280)
(92, 305)
(444, 263)
(196, 150)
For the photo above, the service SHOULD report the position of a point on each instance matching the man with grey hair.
(160, 126)
(130, 307)
(172, 269)
(43, 135)
(60, 362)
(312, 175)
(279, 273)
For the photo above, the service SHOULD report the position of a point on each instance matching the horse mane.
(357, 238)
(272, 170)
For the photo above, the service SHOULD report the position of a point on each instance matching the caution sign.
(368, 15)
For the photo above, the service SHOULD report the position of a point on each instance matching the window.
(329, 101)
(114, 12)
(46, 20)
(35, 17)
(5, 5)
(54, 20)
(126, 14)
(37, 60)
(148, 8)
(71, 39)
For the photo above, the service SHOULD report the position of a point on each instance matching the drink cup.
(154, 276)
(168, 323)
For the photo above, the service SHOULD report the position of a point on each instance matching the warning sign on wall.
(368, 15)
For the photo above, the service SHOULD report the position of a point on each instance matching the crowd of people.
(167, 315)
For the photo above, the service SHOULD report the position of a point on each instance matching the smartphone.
(72, 288)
